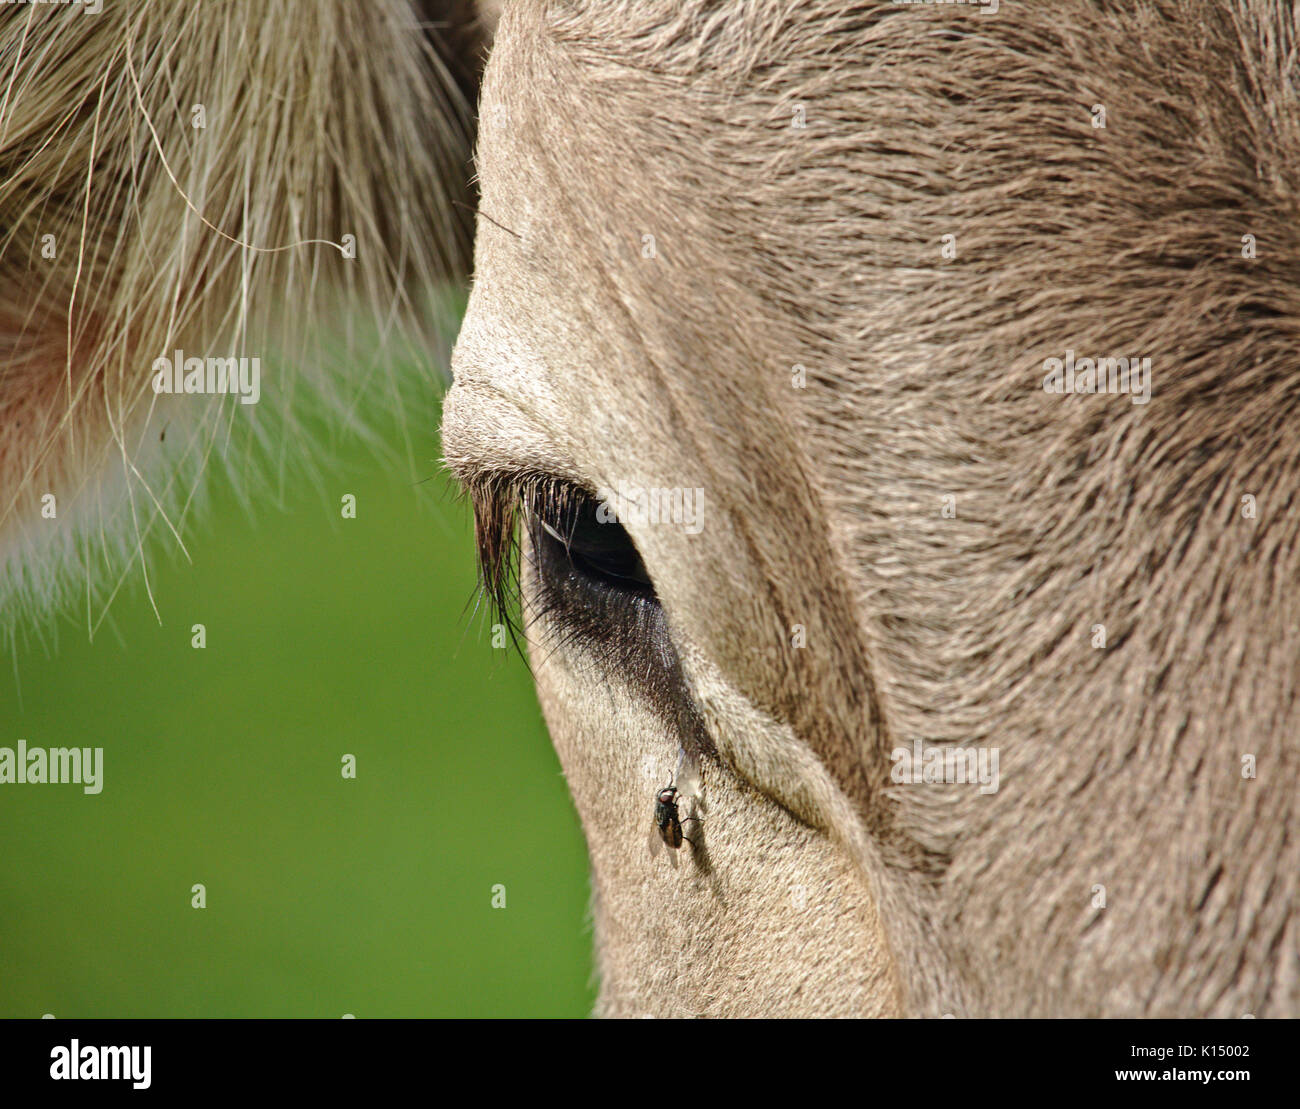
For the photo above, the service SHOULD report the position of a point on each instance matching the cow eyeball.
(570, 529)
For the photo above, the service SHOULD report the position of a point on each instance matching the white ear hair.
(202, 202)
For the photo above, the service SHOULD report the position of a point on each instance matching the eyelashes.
(589, 584)
(499, 499)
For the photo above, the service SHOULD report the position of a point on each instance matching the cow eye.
(591, 594)
(574, 536)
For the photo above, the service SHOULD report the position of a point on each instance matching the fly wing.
(657, 845)
(688, 777)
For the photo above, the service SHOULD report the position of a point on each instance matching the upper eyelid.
(487, 436)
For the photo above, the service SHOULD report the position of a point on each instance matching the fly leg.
(687, 820)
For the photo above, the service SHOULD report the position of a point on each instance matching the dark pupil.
(599, 548)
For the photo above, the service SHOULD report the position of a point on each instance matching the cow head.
(774, 286)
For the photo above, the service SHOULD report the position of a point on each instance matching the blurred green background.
(222, 766)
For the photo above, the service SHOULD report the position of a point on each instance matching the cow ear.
(186, 182)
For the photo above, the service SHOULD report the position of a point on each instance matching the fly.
(668, 819)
